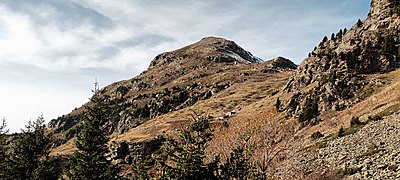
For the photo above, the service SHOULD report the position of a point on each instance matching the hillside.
(214, 75)
(352, 78)
(338, 117)
(337, 67)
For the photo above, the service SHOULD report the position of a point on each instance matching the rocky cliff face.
(176, 80)
(337, 66)
(382, 9)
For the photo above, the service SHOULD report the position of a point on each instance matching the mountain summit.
(207, 49)
(180, 79)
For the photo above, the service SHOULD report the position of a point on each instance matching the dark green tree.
(340, 33)
(89, 160)
(324, 39)
(310, 110)
(139, 168)
(183, 158)
(30, 158)
(238, 165)
(333, 36)
(139, 172)
(359, 23)
(4, 158)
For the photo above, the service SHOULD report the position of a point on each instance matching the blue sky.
(52, 50)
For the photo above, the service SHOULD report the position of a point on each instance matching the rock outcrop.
(336, 68)
(370, 153)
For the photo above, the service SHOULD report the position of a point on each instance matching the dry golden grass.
(65, 149)
(381, 99)
(247, 97)
(257, 118)
(235, 97)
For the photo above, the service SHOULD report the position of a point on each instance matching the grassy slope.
(257, 110)
(257, 87)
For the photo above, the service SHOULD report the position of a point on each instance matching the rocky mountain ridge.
(178, 79)
(337, 67)
(352, 81)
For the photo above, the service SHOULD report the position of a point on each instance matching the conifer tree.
(238, 165)
(310, 110)
(359, 23)
(183, 158)
(30, 159)
(340, 33)
(324, 39)
(333, 36)
(4, 159)
(139, 167)
(89, 160)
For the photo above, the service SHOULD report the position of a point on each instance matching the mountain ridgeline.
(178, 79)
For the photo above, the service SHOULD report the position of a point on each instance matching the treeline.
(27, 155)
(184, 157)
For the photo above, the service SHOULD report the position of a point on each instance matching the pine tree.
(31, 153)
(4, 159)
(183, 158)
(359, 23)
(139, 167)
(333, 36)
(89, 160)
(238, 165)
(340, 33)
(310, 110)
(324, 39)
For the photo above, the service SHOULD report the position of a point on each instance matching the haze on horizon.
(52, 50)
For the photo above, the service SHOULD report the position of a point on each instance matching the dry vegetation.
(381, 101)
(256, 122)
(236, 97)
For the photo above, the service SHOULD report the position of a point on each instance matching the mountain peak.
(214, 39)
(207, 49)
